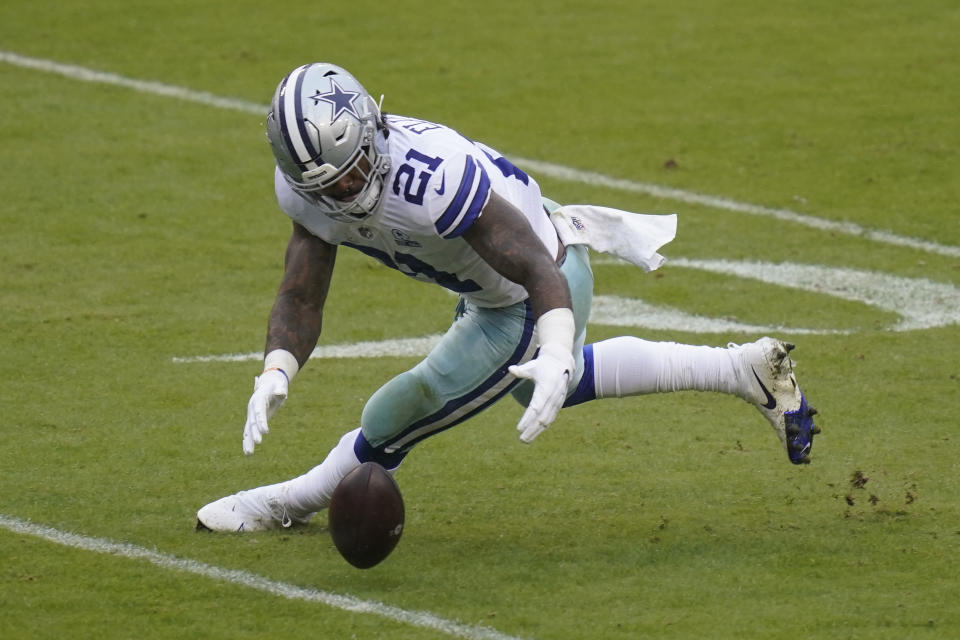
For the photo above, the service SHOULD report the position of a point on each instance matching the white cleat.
(771, 386)
(259, 509)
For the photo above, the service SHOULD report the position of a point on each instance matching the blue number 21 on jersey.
(406, 172)
(413, 176)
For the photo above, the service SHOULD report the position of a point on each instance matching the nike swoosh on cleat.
(771, 403)
(443, 185)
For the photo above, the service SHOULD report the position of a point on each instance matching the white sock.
(628, 366)
(312, 491)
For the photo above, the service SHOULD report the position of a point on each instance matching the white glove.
(269, 392)
(550, 372)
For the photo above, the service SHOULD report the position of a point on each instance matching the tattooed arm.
(505, 240)
(503, 237)
(297, 314)
(293, 328)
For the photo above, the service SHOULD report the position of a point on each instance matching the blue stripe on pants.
(464, 374)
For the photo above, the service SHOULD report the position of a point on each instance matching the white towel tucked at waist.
(634, 237)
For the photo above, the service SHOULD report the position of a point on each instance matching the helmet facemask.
(362, 204)
(322, 125)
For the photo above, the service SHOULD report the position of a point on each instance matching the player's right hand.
(269, 392)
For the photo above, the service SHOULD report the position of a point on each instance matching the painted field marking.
(717, 202)
(421, 619)
(374, 349)
(919, 303)
(556, 171)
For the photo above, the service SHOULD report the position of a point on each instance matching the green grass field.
(140, 227)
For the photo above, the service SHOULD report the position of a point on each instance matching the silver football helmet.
(321, 125)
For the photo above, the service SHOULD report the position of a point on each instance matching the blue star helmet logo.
(342, 101)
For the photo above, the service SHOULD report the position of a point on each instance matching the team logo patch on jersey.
(577, 223)
(403, 239)
(341, 100)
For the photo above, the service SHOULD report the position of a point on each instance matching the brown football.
(366, 515)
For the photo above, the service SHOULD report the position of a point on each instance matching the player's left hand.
(550, 372)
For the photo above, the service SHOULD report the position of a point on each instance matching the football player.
(441, 208)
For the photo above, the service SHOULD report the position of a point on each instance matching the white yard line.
(421, 619)
(555, 171)
(919, 304)
(143, 86)
(401, 347)
(718, 202)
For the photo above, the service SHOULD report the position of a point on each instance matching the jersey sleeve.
(461, 193)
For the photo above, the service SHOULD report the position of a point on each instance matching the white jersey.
(436, 188)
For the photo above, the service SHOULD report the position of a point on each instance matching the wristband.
(282, 360)
(557, 327)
